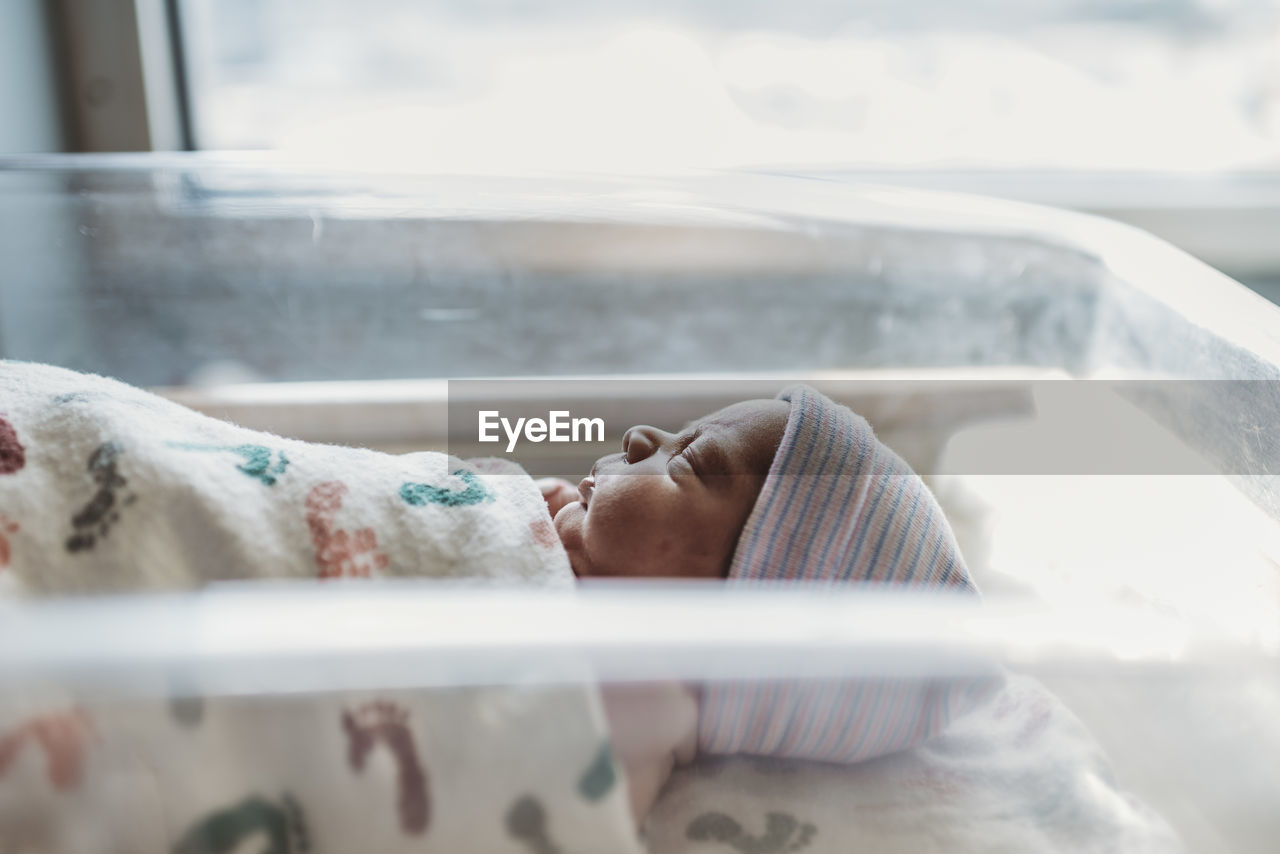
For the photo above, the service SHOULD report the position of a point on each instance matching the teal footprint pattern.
(600, 776)
(257, 463)
(473, 491)
(280, 825)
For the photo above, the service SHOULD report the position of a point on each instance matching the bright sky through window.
(1057, 84)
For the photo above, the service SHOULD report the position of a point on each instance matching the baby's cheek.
(669, 551)
(648, 555)
(678, 557)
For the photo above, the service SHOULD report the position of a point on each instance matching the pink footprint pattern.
(7, 527)
(63, 736)
(386, 722)
(340, 553)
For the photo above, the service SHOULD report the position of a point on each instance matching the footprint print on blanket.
(257, 459)
(385, 722)
(63, 736)
(339, 553)
(473, 492)
(12, 455)
(783, 833)
(12, 458)
(96, 518)
(8, 527)
(544, 533)
(222, 831)
(527, 823)
(601, 775)
(187, 710)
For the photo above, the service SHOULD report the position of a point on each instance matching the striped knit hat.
(837, 506)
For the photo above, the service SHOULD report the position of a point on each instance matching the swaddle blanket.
(501, 770)
(106, 488)
(1017, 774)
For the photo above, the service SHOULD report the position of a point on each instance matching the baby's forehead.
(749, 432)
(745, 415)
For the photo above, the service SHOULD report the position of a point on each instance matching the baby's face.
(673, 504)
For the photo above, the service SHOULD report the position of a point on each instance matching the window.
(501, 84)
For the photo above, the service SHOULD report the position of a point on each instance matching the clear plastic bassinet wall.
(160, 271)
(1095, 411)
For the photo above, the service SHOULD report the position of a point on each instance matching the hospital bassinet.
(357, 307)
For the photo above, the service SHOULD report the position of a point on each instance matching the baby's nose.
(641, 442)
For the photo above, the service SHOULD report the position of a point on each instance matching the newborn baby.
(106, 488)
(794, 488)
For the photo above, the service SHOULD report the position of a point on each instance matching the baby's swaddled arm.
(557, 493)
(654, 726)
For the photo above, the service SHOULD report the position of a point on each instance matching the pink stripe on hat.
(837, 506)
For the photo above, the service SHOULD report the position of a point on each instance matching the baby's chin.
(568, 525)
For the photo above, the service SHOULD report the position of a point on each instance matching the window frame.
(124, 82)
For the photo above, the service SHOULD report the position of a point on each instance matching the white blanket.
(508, 771)
(106, 488)
(1018, 774)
